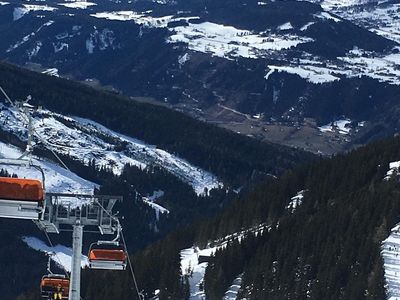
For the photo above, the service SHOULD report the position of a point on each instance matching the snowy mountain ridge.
(87, 141)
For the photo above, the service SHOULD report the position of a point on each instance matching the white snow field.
(391, 258)
(60, 254)
(57, 179)
(195, 270)
(380, 17)
(228, 42)
(88, 141)
(77, 4)
(19, 12)
(139, 18)
(340, 126)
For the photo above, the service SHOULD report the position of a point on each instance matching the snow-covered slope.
(195, 270)
(391, 257)
(60, 254)
(194, 262)
(380, 17)
(88, 141)
(58, 179)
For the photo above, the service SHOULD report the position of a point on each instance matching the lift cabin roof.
(21, 189)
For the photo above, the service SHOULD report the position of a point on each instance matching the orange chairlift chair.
(49, 285)
(107, 255)
(21, 198)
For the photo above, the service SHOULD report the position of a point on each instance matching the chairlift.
(53, 283)
(21, 198)
(107, 255)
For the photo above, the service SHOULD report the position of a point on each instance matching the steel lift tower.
(91, 212)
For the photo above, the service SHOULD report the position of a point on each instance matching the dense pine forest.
(327, 248)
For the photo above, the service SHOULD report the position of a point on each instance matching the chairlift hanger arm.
(24, 163)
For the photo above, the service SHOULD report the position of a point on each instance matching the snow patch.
(306, 26)
(390, 251)
(51, 72)
(60, 254)
(183, 59)
(35, 50)
(58, 180)
(394, 168)
(232, 292)
(227, 41)
(27, 37)
(60, 46)
(78, 4)
(340, 126)
(199, 179)
(327, 16)
(195, 270)
(286, 26)
(313, 74)
(87, 141)
(150, 200)
(295, 201)
(194, 260)
(19, 12)
(139, 18)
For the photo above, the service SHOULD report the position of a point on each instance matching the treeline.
(230, 156)
(328, 248)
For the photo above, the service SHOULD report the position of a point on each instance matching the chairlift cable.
(55, 253)
(34, 130)
(140, 295)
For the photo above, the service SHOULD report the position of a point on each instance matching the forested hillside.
(228, 155)
(328, 247)
(236, 160)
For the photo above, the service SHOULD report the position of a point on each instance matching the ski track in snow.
(86, 140)
(60, 254)
(391, 256)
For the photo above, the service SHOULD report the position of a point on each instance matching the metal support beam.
(75, 285)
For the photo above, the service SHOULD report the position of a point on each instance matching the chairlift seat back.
(21, 189)
(107, 254)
